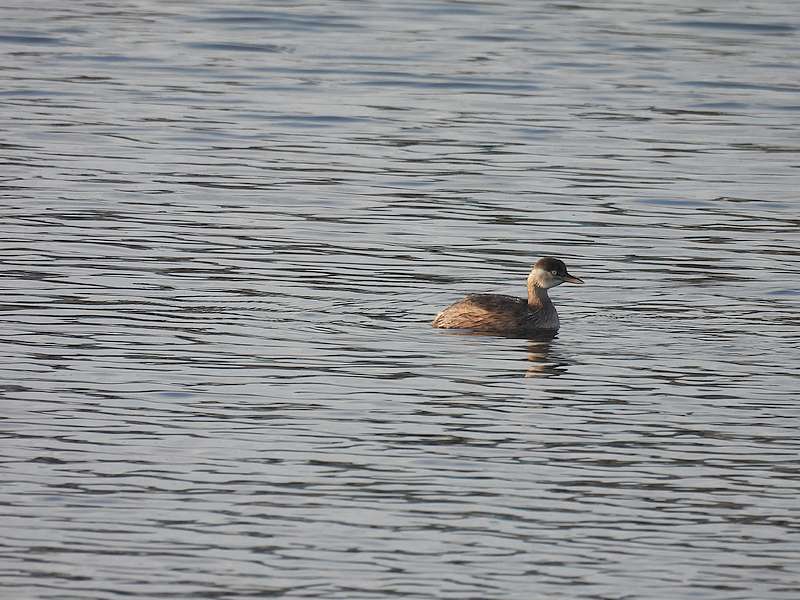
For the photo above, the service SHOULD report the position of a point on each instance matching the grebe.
(508, 315)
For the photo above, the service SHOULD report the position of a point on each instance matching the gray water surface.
(225, 228)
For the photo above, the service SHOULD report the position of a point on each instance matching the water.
(226, 227)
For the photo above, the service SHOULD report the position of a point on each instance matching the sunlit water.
(226, 227)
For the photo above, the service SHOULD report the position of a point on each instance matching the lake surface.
(226, 227)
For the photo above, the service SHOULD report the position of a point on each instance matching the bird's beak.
(572, 279)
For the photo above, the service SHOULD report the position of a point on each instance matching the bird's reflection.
(542, 360)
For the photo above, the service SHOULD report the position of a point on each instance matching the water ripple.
(225, 231)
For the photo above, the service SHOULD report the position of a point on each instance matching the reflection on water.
(541, 364)
(225, 231)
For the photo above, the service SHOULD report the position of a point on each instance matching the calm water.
(226, 227)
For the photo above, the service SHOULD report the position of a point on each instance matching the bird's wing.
(480, 311)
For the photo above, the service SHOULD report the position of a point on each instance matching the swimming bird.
(509, 315)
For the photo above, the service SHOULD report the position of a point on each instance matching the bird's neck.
(537, 296)
(542, 312)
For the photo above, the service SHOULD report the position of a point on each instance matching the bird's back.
(485, 312)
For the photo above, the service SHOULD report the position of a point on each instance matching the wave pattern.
(224, 231)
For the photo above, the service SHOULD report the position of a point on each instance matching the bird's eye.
(553, 272)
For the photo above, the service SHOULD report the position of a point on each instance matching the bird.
(509, 315)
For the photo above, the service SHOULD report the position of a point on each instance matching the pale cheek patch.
(544, 279)
(552, 282)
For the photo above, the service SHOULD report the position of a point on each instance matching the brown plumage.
(508, 315)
